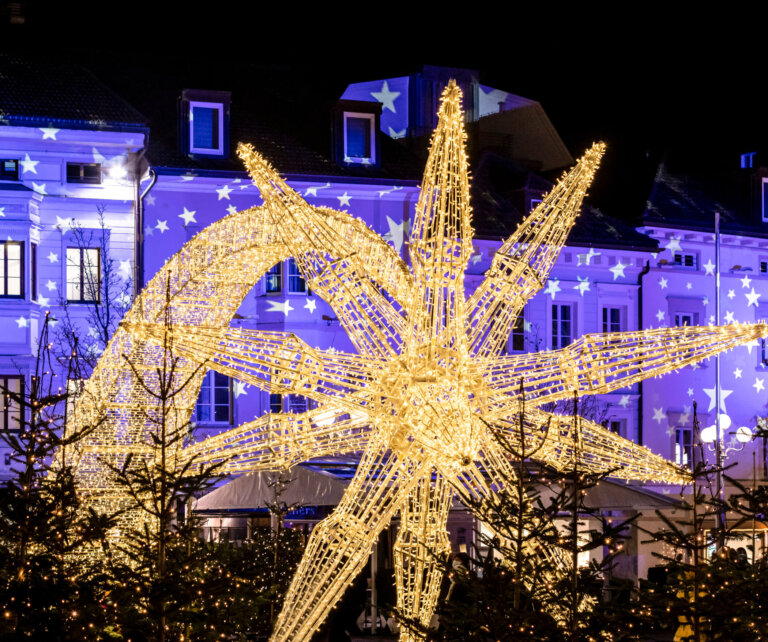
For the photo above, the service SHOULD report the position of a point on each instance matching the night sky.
(653, 86)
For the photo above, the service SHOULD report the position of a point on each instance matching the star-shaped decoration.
(49, 132)
(149, 199)
(224, 192)
(2, 212)
(162, 226)
(712, 394)
(28, 165)
(671, 430)
(239, 388)
(705, 301)
(553, 287)
(386, 97)
(624, 402)
(231, 209)
(751, 344)
(124, 300)
(312, 191)
(189, 176)
(737, 373)
(43, 301)
(310, 305)
(758, 385)
(709, 268)
(660, 315)
(746, 281)
(731, 294)
(659, 415)
(64, 224)
(344, 199)
(125, 269)
(729, 317)
(53, 257)
(673, 245)
(752, 297)
(688, 285)
(395, 234)
(586, 259)
(618, 270)
(663, 283)
(22, 322)
(684, 418)
(149, 230)
(280, 306)
(476, 258)
(582, 286)
(188, 216)
(39, 188)
(395, 135)
(93, 332)
(689, 392)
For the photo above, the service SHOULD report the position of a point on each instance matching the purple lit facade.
(663, 276)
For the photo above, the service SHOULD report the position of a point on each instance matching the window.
(206, 128)
(763, 352)
(11, 409)
(612, 320)
(275, 402)
(9, 169)
(296, 282)
(686, 260)
(33, 270)
(84, 173)
(359, 137)
(763, 267)
(518, 334)
(617, 426)
(83, 275)
(684, 446)
(685, 318)
(297, 404)
(562, 325)
(214, 404)
(273, 279)
(11, 269)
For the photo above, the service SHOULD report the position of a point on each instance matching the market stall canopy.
(608, 495)
(256, 490)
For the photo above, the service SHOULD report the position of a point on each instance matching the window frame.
(97, 290)
(33, 271)
(274, 274)
(680, 315)
(4, 276)
(607, 323)
(6, 411)
(694, 263)
(683, 451)
(82, 179)
(290, 264)
(10, 176)
(208, 384)
(556, 336)
(208, 151)
(361, 160)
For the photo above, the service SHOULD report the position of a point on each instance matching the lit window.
(612, 320)
(684, 446)
(214, 404)
(84, 173)
(9, 169)
(359, 137)
(296, 282)
(11, 388)
(83, 275)
(562, 325)
(11, 269)
(273, 279)
(206, 128)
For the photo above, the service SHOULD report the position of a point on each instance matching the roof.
(500, 192)
(51, 90)
(691, 202)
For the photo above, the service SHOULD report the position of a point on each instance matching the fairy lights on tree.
(423, 394)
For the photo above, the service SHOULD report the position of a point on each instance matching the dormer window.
(355, 133)
(359, 132)
(206, 126)
(204, 122)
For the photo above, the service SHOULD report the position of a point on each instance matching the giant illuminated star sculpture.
(429, 383)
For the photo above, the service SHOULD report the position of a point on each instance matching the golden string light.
(425, 392)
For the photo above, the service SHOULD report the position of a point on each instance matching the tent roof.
(256, 490)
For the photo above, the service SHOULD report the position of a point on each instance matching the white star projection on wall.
(423, 395)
